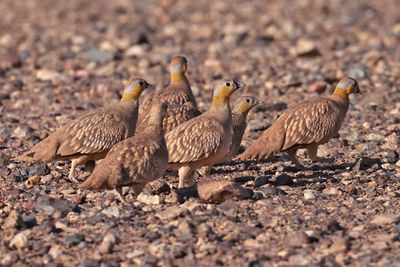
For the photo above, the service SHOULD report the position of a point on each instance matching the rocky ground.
(59, 59)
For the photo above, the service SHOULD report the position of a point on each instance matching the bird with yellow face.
(239, 116)
(182, 105)
(203, 140)
(308, 124)
(91, 136)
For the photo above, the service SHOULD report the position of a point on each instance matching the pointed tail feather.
(98, 180)
(258, 150)
(45, 150)
(269, 143)
(28, 156)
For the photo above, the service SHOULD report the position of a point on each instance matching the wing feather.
(194, 140)
(312, 121)
(95, 132)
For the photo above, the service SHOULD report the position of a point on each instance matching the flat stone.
(268, 190)
(51, 206)
(297, 239)
(358, 71)
(331, 191)
(20, 240)
(339, 245)
(306, 47)
(73, 240)
(89, 263)
(107, 244)
(49, 75)
(309, 194)
(98, 55)
(219, 191)
(111, 212)
(10, 59)
(148, 199)
(317, 87)
(171, 213)
(283, 179)
(39, 169)
(260, 181)
(384, 219)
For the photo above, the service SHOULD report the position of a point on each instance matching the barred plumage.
(203, 140)
(91, 136)
(306, 125)
(239, 115)
(178, 95)
(134, 161)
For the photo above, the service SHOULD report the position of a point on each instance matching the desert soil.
(60, 59)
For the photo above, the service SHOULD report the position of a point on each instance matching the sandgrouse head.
(133, 88)
(224, 89)
(245, 103)
(347, 86)
(178, 64)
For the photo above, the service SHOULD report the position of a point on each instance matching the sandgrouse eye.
(239, 116)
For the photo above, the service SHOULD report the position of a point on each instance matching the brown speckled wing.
(179, 114)
(175, 95)
(313, 121)
(238, 128)
(140, 162)
(174, 99)
(93, 133)
(194, 140)
(170, 95)
(146, 102)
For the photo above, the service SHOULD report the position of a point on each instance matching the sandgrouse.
(91, 136)
(134, 161)
(239, 115)
(306, 125)
(178, 95)
(203, 140)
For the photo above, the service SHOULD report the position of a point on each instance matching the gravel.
(58, 61)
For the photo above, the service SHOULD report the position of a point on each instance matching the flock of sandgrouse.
(135, 144)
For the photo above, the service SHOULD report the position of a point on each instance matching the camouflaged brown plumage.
(134, 161)
(239, 116)
(91, 136)
(178, 95)
(203, 140)
(306, 125)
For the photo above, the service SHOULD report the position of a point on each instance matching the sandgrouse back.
(306, 125)
(134, 161)
(178, 95)
(239, 122)
(91, 136)
(204, 140)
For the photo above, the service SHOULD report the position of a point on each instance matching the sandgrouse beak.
(358, 91)
(150, 86)
(238, 84)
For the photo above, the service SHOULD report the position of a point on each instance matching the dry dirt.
(59, 59)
